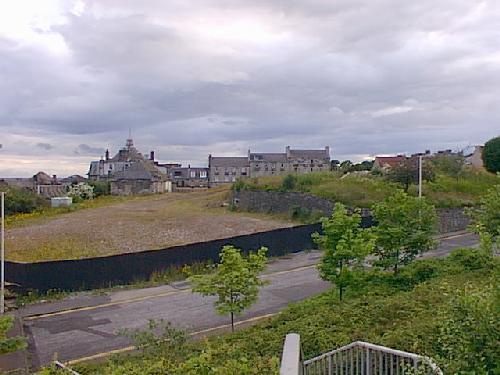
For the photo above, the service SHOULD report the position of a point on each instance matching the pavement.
(85, 326)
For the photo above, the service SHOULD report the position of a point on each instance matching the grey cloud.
(44, 146)
(84, 149)
(365, 77)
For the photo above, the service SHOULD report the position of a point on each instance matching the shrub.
(288, 182)
(470, 259)
(100, 188)
(24, 201)
(81, 191)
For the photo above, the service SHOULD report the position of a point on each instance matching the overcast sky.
(191, 78)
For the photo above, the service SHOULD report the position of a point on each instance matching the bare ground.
(157, 222)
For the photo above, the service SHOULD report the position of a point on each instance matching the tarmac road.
(87, 326)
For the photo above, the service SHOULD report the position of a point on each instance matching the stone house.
(475, 158)
(189, 177)
(139, 178)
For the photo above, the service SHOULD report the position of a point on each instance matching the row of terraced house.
(130, 172)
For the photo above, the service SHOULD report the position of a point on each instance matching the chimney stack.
(107, 154)
(152, 155)
(287, 150)
(327, 151)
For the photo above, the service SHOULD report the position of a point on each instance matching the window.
(193, 174)
(203, 174)
(243, 170)
(177, 174)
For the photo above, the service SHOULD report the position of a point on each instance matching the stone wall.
(449, 219)
(277, 202)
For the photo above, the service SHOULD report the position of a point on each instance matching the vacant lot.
(139, 224)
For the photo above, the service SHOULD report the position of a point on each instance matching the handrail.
(62, 366)
(356, 358)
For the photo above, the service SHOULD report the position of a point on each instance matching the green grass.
(446, 309)
(365, 190)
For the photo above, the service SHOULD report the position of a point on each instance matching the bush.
(491, 155)
(288, 182)
(18, 200)
(471, 259)
(100, 188)
(81, 192)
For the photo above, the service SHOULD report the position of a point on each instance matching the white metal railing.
(357, 358)
(368, 359)
(62, 366)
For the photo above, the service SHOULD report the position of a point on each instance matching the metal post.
(2, 256)
(420, 176)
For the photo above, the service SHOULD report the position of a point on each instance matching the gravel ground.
(154, 223)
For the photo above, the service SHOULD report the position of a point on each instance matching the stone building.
(189, 177)
(139, 178)
(129, 172)
(227, 169)
(224, 170)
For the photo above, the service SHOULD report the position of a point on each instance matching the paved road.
(85, 325)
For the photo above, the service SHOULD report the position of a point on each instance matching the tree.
(346, 245)
(346, 166)
(406, 173)
(486, 218)
(491, 155)
(404, 228)
(235, 281)
(452, 165)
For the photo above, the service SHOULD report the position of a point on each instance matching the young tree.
(407, 173)
(491, 155)
(235, 281)
(346, 245)
(404, 228)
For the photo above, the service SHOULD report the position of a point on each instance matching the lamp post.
(2, 255)
(420, 176)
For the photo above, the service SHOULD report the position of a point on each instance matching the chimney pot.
(152, 155)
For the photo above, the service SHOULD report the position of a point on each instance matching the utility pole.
(2, 291)
(420, 176)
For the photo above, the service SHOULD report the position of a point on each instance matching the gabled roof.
(229, 161)
(309, 154)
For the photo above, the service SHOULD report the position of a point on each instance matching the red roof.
(389, 161)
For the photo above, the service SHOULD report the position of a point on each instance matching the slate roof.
(229, 161)
(309, 154)
(136, 171)
(271, 157)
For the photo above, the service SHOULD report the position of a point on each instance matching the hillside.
(363, 190)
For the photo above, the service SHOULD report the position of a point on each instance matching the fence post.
(291, 359)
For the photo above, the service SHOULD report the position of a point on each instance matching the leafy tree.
(346, 245)
(406, 173)
(235, 281)
(452, 165)
(289, 182)
(11, 344)
(486, 218)
(346, 166)
(404, 229)
(491, 155)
